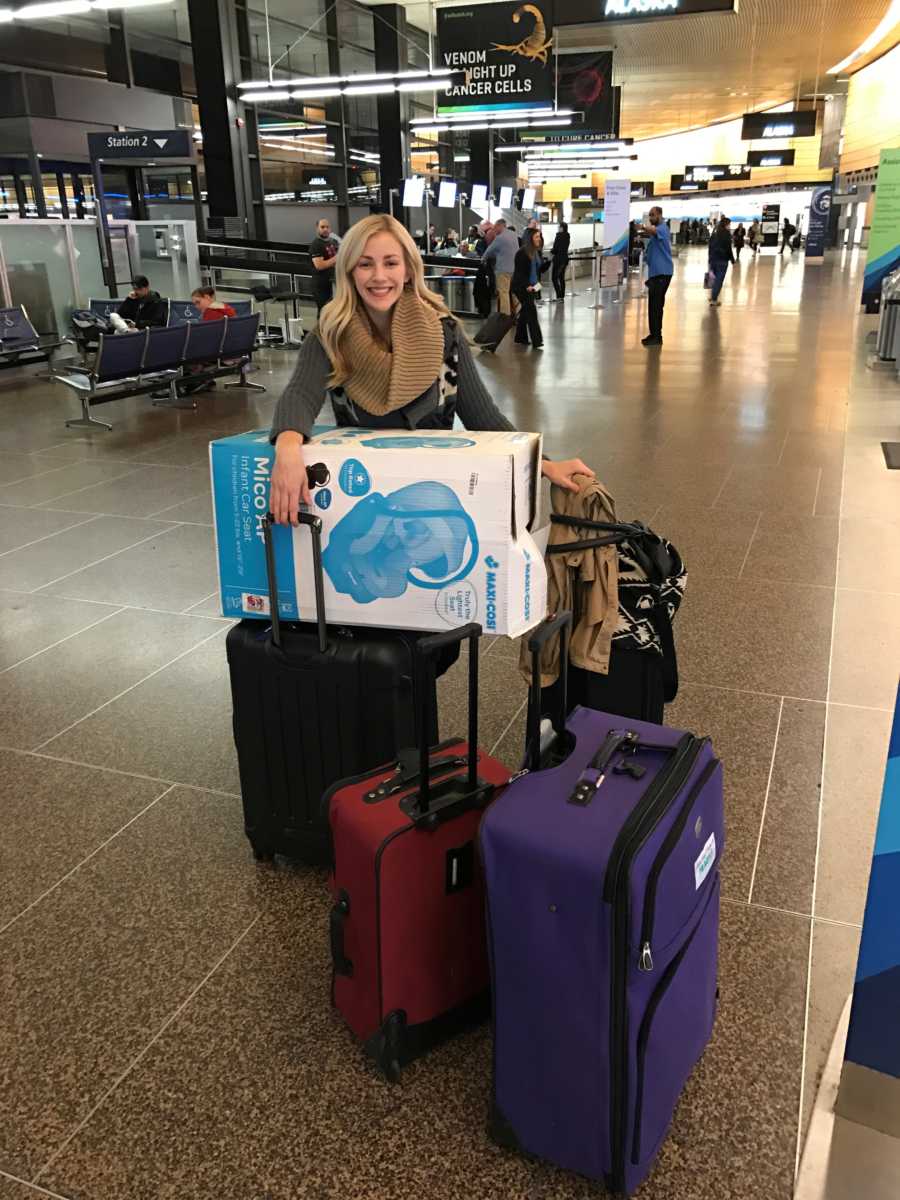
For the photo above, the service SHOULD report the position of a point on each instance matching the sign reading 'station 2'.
(506, 51)
(141, 143)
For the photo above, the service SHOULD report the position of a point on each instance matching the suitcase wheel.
(388, 1058)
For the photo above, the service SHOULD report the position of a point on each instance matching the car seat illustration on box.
(419, 535)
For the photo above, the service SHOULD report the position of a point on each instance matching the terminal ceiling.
(683, 72)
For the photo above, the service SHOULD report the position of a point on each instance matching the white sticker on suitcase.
(703, 865)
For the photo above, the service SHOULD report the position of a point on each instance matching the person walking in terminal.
(526, 284)
(143, 307)
(787, 232)
(322, 252)
(390, 356)
(660, 268)
(754, 236)
(740, 236)
(720, 255)
(502, 252)
(559, 253)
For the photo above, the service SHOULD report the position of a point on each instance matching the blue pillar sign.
(870, 1083)
(819, 210)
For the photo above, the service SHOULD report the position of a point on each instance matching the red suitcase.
(407, 927)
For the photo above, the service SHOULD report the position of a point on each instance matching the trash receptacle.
(887, 344)
(458, 292)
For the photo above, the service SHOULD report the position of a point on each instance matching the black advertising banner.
(641, 189)
(794, 124)
(142, 143)
(588, 194)
(506, 51)
(770, 217)
(770, 158)
(584, 84)
(717, 172)
(589, 12)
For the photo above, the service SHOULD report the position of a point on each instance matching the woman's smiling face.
(381, 272)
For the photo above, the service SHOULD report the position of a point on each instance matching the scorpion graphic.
(537, 44)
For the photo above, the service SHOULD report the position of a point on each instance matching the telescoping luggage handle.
(561, 623)
(427, 648)
(315, 530)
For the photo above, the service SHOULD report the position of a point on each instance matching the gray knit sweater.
(459, 389)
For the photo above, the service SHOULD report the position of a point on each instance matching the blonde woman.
(390, 355)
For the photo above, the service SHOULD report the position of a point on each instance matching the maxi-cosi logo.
(490, 593)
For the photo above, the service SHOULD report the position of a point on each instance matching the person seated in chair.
(142, 307)
(210, 309)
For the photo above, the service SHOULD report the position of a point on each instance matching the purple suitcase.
(602, 871)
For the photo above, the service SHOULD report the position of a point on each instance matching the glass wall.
(40, 277)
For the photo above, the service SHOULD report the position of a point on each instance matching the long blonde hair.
(338, 313)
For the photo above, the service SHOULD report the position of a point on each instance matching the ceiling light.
(881, 30)
(425, 86)
(262, 97)
(315, 94)
(280, 83)
(54, 8)
(563, 148)
(284, 126)
(462, 158)
(478, 113)
(107, 4)
(369, 89)
(318, 81)
(6, 14)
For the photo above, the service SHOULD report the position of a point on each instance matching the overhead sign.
(560, 137)
(142, 143)
(770, 158)
(717, 172)
(794, 124)
(819, 213)
(506, 51)
(589, 12)
(680, 184)
(584, 84)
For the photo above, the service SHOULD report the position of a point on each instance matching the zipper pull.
(646, 963)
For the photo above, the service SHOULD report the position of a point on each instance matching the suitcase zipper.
(646, 958)
(643, 818)
(646, 1024)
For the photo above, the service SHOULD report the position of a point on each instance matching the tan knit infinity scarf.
(381, 380)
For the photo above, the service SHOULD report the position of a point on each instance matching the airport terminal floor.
(166, 1029)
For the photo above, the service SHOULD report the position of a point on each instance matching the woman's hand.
(561, 473)
(290, 487)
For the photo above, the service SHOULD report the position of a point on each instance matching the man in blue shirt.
(503, 250)
(659, 272)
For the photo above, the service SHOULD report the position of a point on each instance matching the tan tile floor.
(165, 1030)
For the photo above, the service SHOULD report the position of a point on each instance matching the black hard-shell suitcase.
(494, 330)
(313, 705)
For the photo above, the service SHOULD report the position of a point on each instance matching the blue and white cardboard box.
(422, 529)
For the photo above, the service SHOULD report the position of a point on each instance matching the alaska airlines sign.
(587, 12)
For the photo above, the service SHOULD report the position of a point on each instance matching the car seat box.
(422, 529)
